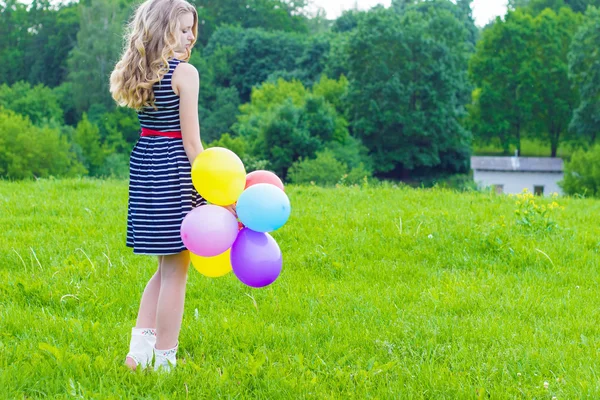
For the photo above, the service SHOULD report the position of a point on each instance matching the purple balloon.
(209, 230)
(256, 258)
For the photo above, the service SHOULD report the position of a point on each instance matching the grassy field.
(385, 293)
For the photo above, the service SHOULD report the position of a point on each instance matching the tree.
(28, 151)
(35, 40)
(283, 139)
(537, 6)
(87, 137)
(51, 41)
(336, 62)
(270, 15)
(14, 40)
(461, 10)
(39, 103)
(323, 170)
(312, 61)
(554, 95)
(407, 81)
(285, 122)
(501, 68)
(584, 70)
(222, 114)
(582, 175)
(246, 58)
(99, 43)
(347, 22)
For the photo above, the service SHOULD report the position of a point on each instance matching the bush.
(28, 151)
(87, 137)
(582, 173)
(357, 175)
(352, 153)
(39, 103)
(324, 170)
(239, 145)
(116, 165)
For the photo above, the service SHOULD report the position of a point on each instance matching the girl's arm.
(186, 84)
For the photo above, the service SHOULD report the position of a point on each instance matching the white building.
(540, 175)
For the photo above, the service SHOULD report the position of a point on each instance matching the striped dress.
(160, 187)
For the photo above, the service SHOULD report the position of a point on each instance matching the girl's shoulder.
(185, 74)
(183, 68)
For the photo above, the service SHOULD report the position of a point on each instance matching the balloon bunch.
(217, 242)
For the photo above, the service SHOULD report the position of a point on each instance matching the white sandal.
(141, 346)
(165, 359)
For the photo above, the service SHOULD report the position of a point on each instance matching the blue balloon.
(263, 207)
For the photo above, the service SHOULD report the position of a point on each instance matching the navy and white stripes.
(161, 192)
(165, 117)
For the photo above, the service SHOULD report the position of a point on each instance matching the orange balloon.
(262, 176)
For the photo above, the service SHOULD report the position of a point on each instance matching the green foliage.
(28, 151)
(270, 95)
(407, 87)
(239, 145)
(347, 21)
(524, 89)
(324, 170)
(292, 86)
(116, 165)
(351, 152)
(282, 139)
(584, 71)
(15, 38)
(222, 114)
(537, 6)
(321, 120)
(35, 39)
(119, 129)
(336, 63)
(582, 173)
(246, 58)
(52, 39)
(39, 103)
(285, 122)
(311, 64)
(255, 114)
(460, 9)
(270, 15)
(359, 175)
(333, 91)
(87, 137)
(501, 68)
(554, 94)
(97, 50)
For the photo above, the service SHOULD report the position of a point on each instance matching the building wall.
(515, 182)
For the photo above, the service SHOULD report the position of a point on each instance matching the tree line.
(402, 92)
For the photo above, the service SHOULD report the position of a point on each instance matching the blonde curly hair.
(151, 39)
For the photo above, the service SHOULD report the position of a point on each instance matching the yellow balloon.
(213, 267)
(219, 176)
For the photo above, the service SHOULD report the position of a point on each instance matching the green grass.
(385, 293)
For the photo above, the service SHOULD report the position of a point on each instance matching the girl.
(154, 78)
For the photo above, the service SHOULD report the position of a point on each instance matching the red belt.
(150, 132)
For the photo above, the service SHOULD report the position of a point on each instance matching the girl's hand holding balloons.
(232, 209)
(218, 242)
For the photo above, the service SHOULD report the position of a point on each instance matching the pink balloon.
(262, 176)
(209, 230)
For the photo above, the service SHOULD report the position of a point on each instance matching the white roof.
(517, 164)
